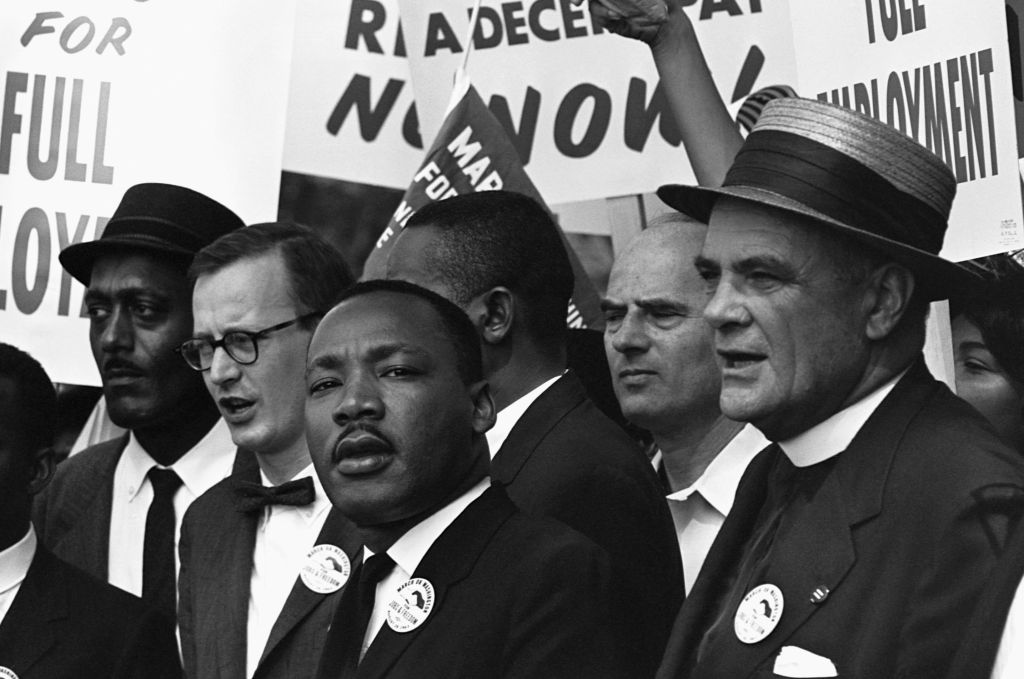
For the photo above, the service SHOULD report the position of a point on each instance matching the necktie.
(251, 497)
(158, 578)
(344, 642)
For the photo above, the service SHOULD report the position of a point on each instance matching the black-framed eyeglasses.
(241, 345)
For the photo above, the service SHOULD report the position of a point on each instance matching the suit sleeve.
(562, 627)
(963, 562)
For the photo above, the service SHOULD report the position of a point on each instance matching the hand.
(638, 19)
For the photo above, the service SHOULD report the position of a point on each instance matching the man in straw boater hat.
(114, 509)
(859, 540)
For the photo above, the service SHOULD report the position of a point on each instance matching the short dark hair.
(35, 399)
(997, 309)
(316, 269)
(502, 238)
(456, 324)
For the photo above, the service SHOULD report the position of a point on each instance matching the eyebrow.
(333, 361)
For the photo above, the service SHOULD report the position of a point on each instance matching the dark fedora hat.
(849, 172)
(171, 221)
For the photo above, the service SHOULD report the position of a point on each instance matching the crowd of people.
(415, 475)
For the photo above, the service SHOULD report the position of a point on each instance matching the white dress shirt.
(14, 563)
(408, 551)
(832, 436)
(1009, 662)
(200, 468)
(284, 536)
(510, 414)
(699, 510)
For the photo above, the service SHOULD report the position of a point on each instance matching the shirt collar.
(831, 437)
(199, 469)
(410, 549)
(15, 560)
(722, 476)
(320, 501)
(510, 414)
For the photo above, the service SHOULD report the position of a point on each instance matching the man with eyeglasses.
(263, 565)
(114, 509)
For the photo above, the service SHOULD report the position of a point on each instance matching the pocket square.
(794, 661)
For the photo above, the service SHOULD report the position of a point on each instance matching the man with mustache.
(499, 257)
(455, 581)
(262, 564)
(114, 509)
(666, 380)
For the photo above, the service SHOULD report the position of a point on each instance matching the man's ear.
(483, 407)
(41, 471)
(891, 287)
(493, 313)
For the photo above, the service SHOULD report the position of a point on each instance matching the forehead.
(115, 272)
(739, 229)
(247, 289)
(360, 325)
(659, 262)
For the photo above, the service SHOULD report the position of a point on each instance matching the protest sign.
(98, 96)
(351, 114)
(940, 72)
(471, 152)
(582, 106)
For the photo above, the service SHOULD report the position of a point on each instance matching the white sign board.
(939, 70)
(583, 105)
(98, 96)
(350, 106)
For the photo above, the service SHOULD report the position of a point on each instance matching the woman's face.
(983, 383)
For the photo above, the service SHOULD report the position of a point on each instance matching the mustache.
(342, 441)
(120, 365)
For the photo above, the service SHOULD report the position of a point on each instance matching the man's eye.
(144, 311)
(398, 371)
(97, 312)
(322, 385)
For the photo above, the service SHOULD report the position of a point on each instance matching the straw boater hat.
(169, 221)
(849, 172)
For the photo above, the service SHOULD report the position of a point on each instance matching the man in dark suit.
(499, 257)
(56, 621)
(263, 559)
(114, 509)
(455, 582)
(859, 542)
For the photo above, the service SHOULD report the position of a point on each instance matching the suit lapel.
(540, 418)
(31, 625)
(448, 561)
(302, 601)
(89, 538)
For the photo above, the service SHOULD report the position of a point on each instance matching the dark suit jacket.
(515, 596)
(216, 549)
(977, 652)
(72, 516)
(64, 623)
(897, 532)
(566, 460)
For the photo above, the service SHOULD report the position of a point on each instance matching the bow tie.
(250, 497)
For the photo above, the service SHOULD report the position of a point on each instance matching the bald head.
(658, 345)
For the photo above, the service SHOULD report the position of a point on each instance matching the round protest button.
(411, 605)
(758, 613)
(326, 569)
(7, 673)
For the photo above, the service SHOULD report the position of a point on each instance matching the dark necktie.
(251, 497)
(158, 581)
(348, 628)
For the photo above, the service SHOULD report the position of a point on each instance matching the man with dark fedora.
(860, 539)
(114, 510)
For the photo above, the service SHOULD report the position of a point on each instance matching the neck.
(517, 377)
(167, 441)
(282, 466)
(380, 537)
(686, 457)
(13, 527)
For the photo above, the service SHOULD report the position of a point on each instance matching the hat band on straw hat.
(832, 183)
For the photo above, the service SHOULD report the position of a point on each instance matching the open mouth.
(234, 407)
(737, 360)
